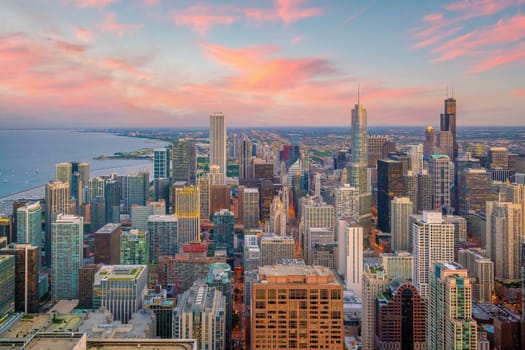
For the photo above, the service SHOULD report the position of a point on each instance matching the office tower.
(158, 303)
(203, 182)
(401, 208)
(27, 269)
(398, 265)
(433, 241)
(216, 176)
(498, 157)
(245, 160)
(86, 279)
(482, 268)
(220, 276)
(7, 284)
(6, 228)
(161, 192)
(137, 190)
(120, 289)
(400, 318)
(504, 235)
(263, 171)
(112, 201)
(249, 207)
(389, 185)
(96, 188)
(107, 244)
(460, 231)
(446, 143)
(424, 192)
(474, 190)
(415, 155)
(266, 193)
(63, 172)
(320, 247)
(223, 221)
(376, 148)
(374, 282)
(275, 248)
(79, 179)
(140, 214)
(251, 255)
(200, 315)
(161, 163)
(29, 224)
(218, 142)
(315, 215)
(449, 318)
(97, 213)
(295, 288)
(347, 202)
(134, 247)
(164, 239)
(430, 142)
(67, 255)
(57, 202)
(220, 198)
(442, 171)
(410, 188)
(187, 210)
(448, 123)
(350, 254)
(184, 161)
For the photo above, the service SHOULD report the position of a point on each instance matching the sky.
(172, 63)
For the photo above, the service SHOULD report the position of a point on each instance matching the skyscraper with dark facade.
(112, 201)
(389, 185)
(107, 244)
(223, 221)
(448, 123)
(184, 161)
(161, 163)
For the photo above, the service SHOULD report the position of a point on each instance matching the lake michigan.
(28, 157)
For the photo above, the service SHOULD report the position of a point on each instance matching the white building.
(350, 254)
(218, 142)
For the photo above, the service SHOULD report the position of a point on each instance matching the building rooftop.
(119, 272)
(309, 274)
(108, 228)
(162, 218)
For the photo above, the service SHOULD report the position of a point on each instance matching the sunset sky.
(172, 63)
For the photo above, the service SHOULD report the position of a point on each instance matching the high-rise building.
(460, 231)
(375, 282)
(6, 229)
(401, 208)
(220, 198)
(97, 214)
(29, 224)
(134, 247)
(200, 314)
(313, 298)
(158, 303)
(245, 160)
(107, 244)
(523, 293)
(482, 268)
(27, 269)
(161, 191)
(161, 163)
(112, 201)
(400, 318)
(448, 123)
(63, 172)
(473, 191)
(275, 248)
(498, 157)
(216, 176)
(137, 190)
(7, 284)
(67, 255)
(446, 143)
(433, 241)
(218, 142)
(249, 207)
(376, 148)
(319, 216)
(266, 194)
(410, 188)
(86, 280)
(449, 315)
(347, 202)
(120, 289)
(184, 161)
(220, 276)
(415, 155)
(57, 202)
(398, 265)
(164, 239)
(223, 222)
(389, 185)
(203, 182)
(187, 209)
(96, 188)
(424, 192)
(350, 254)
(430, 142)
(503, 236)
(442, 171)
(79, 179)
(140, 214)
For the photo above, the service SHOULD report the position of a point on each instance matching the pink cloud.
(479, 8)
(83, 34)
(518, 92)
(354, 16)
(93, 3)
(110, 24)
(499, 58)
(151, 2)
(297, 39)
(202, 18)
(433, 17)
(290, 11)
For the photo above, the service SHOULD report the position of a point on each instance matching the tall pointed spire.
(358, 94)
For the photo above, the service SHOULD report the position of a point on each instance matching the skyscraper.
(347, 202)
(7, 284)
(67, 255)
(389, 185)
(401, 208)
(473, 191)
(187, 210)
(134, 247)
(112, 201)
(57, 202)
(415, 155)
(442, 171)
(430, 142)
(203, 182)
(218, 141)
(475, 261)
(223, 222)
(449, 318)
(163, 236)
(350, 255)
(433, 241)
(137, 190)
(245, 160)
(448, 123)
(29, 224)
(249, 207)
(184, 161)
(275, 248)
(107, 244)
(161, 163)
(375, 282)
(63, 172)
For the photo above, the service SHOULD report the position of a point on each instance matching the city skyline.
(85, 63)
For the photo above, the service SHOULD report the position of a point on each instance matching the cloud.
(201, 18)
(518, 92)
(151, 2)
(354, 16)
(297, 39)
(290, 11)
(83, 34)
(92, 3)
(110, 24)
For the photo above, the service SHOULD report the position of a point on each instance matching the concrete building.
(7, 284)
(164, 239)
(203, 182)
(218, 142)
(134, 247)
(350, 254)
(424, 192)
(107, 244)
(347, 202)
(274, 248)
(67, 255)
(442, 171)
(120, 289)
(433, 241)
(498, 157)
(57, 202)
(449, 317)
(482, 268)
(415, 155)
(314, 300)
(201, 314)
(85, 285)
(157, 302)
(400, 208)
(398, 265)
(249, 207)
(220, 276)
(430, 142)
(473, 191)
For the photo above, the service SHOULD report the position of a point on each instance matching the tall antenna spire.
(358, 93)
(452, 92)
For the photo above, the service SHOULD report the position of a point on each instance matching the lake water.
(28, 157)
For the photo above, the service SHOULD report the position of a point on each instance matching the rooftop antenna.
(452, 92)
(447, 91)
